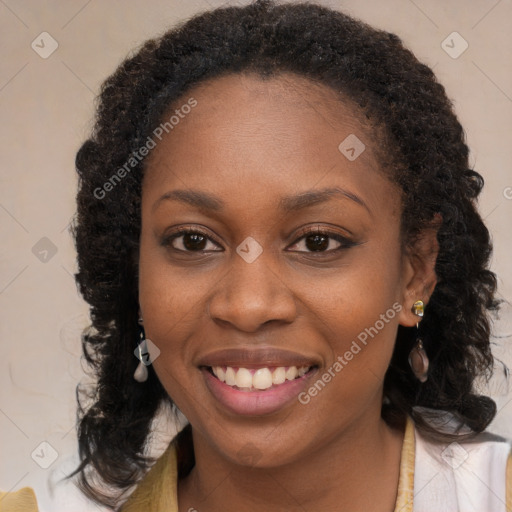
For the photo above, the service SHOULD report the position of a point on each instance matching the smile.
(256, 391)
(256, 381)
(251, 379)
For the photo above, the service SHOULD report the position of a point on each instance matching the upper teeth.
(261, 378)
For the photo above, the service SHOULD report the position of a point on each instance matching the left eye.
(320, 241)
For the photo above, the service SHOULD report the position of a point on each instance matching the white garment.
(461, 477)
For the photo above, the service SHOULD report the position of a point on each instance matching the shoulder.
(157, 491)
(465, 475)
(23, 500)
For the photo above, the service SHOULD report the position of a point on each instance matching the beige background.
(46, 108)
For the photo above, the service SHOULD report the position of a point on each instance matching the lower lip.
(254, 403)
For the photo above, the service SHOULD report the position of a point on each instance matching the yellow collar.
(158, 490)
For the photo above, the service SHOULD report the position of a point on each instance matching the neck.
(356, 470)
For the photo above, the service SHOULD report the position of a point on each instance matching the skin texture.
(251, 142)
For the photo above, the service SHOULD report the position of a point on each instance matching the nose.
(250, 295)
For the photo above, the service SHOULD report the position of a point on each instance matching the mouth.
(258, 379)
(256, 391)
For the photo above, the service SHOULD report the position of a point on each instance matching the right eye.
(189, 240)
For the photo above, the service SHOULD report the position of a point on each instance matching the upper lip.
(255, 358)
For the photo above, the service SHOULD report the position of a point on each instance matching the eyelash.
(345, 242)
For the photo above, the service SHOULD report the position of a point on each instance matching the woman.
(276, 215)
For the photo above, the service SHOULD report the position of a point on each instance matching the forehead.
(275, 135)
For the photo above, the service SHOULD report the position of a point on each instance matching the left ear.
(419, 275)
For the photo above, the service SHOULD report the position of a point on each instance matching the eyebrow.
(208, 202)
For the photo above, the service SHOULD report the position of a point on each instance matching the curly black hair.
(423, 150)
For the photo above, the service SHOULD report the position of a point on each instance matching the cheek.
(173, 305)
(357, 310)
(355, 296)
(170, 296)
(171, 316)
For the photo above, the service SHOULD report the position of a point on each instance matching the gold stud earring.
(418, 308)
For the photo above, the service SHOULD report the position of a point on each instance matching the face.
(265, 246)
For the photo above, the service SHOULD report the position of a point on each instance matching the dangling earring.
(141, 373)
(418, 359)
